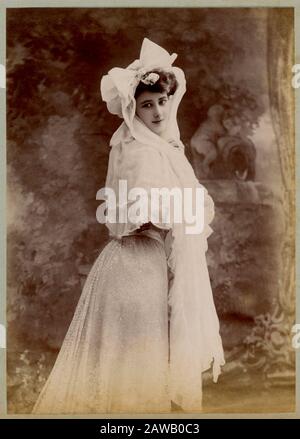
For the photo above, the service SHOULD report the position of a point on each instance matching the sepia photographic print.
(116, 304)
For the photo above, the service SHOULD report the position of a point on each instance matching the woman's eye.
(149, 105)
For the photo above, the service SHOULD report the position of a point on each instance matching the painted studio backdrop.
(236, 121)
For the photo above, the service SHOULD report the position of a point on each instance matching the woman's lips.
(157, 121)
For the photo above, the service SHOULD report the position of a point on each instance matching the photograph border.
(141, 4)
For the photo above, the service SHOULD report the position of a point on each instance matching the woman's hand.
(149, 225)
(145, 226)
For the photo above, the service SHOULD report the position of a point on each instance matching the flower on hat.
(150, 78)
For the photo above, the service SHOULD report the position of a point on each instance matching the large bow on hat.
(119, 85)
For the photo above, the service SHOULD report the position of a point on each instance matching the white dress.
(115, 356)
(120, 355)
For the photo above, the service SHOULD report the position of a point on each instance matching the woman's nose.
(157, 112)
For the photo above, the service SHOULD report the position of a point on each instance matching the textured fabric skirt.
(114, 358)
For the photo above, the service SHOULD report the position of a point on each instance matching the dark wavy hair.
(166, 83)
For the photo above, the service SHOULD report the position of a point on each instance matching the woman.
(120, 354)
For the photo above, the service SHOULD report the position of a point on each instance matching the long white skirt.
(115, 356)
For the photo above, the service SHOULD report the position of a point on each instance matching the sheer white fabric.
(114, 358)
(149, 161)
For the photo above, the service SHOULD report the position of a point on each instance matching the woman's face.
(153, 109)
